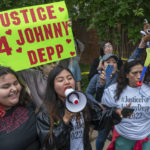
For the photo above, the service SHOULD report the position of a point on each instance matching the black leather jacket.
(61, 132)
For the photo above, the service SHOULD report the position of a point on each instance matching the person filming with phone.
(109, 64)
(97, 84)
(133, 132)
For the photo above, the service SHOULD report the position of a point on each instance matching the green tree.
(120, 20)
(117, 20)
(112, 17)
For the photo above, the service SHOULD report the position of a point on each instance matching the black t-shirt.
(18, 129)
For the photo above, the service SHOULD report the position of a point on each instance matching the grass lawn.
(84, 70)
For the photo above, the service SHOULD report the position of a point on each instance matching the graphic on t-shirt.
(76, 135)
(77, 131)
(139, 104)
(15, 120)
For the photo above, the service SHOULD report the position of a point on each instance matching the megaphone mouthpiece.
(68, 91)
(75, 100)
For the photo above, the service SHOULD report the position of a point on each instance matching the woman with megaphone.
(64, 118)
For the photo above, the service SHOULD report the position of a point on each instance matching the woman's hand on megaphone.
(68, 116)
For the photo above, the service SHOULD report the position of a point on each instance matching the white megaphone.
(75, 100)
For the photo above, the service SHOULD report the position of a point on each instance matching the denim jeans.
(75, 69)
(102, 136)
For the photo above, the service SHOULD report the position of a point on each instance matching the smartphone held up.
(108, 71)
(127, 112)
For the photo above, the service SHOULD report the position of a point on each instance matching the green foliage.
(10, 4)
(104, 15)
(84, 69)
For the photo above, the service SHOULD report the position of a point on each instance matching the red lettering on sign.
(32, 57)
(39, 12)
(41, 54)
(27, 15)
(50, 52)
(7, 23)
(21, 41)
(57, 29)
(42, 33)
(38, 34)
(24, 12)
(4, 47)
(48, 31)
(29, 35)
(13, 16)
(65, 25)
(33, 15)
(38, 56)
(59, 49)
(50, 12)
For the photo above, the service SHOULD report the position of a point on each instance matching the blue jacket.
(94, 84)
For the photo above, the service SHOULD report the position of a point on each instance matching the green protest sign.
(33, 36)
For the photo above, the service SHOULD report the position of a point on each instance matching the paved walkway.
(93, 142)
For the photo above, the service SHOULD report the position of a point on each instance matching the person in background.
(134, 132)
(17, 116)
(74, 63)
(96, 87)
(62, 130)
(105, 48)
(36, 80)
(98, 80)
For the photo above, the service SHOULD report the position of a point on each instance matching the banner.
(33, 36)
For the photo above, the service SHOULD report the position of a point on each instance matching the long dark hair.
(24, 96)
(53, 103)
(51, 100)
(122, 80)
(51, 97)
(101, 49)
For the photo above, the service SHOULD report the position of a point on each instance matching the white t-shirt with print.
(138, 126)
(76, 135)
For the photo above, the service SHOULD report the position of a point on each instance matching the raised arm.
(91, 89)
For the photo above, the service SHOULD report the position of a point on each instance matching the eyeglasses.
(108, 46)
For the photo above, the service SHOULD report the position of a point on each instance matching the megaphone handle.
(68, 116)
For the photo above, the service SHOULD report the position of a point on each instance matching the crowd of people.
(33, 114)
